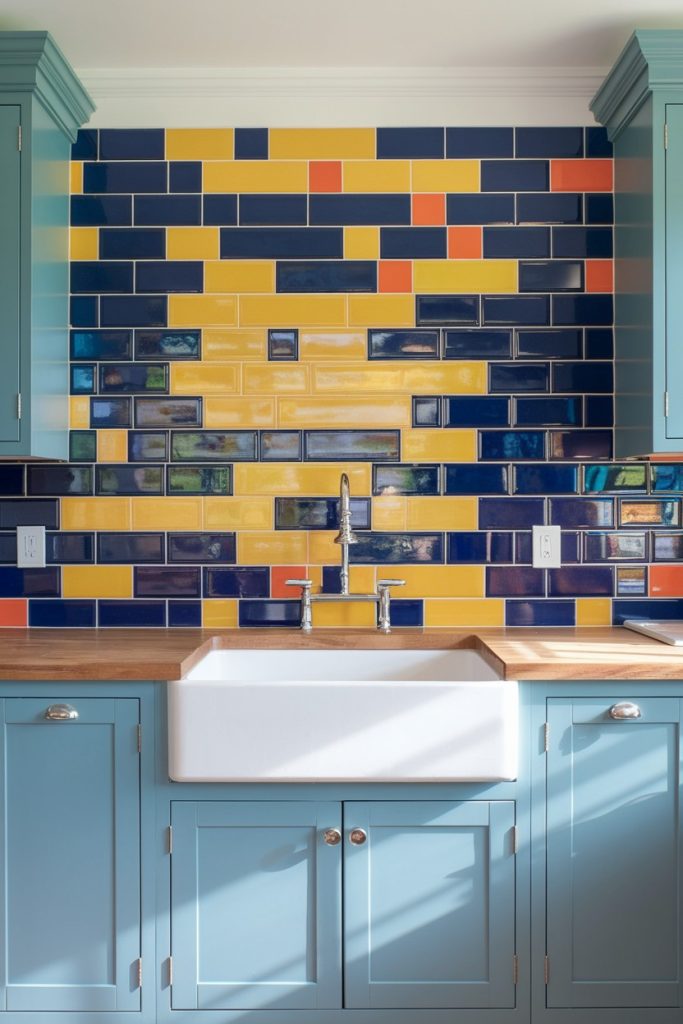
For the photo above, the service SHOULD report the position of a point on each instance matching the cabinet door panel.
(429, 905)
(256, 915)
(71, 849)
(10, 254)
(613, 855)
(674, 269)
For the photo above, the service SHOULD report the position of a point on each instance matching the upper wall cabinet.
(42, 105)
(641, 103)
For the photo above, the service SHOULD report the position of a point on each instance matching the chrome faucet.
(345, 537)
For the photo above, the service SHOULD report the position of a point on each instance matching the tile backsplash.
(254, 311)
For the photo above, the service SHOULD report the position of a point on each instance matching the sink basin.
(342, 715)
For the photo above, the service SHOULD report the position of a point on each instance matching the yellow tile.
(225, 413)
(321, 547)
(289, 310)
(76, 177)
(239, 276)
(112, 446)
(95, 513)
(256, 176)
(376, 176)
(223, 345)
(381, 311)
(321, 143)
(445, 176)
(412, 378)
(205, 378)
(371, 412)
(389, 512)
(440, 580)
(314, 573)
(464, 613)
(593, 611)
(79, 412)
(284, 547)
(238, 514)
(333, 345)
(299, 478)
(439, 276)
(199, 144)
(340, 615)
(439, 445)
(97, 581)
(83, 243)
(192, 243)
(219, 614)
(361, 243)
(446, 513)
(167, 513)
(202, 310)
(275, 379)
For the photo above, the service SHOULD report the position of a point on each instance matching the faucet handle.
(304, 584)
(385, 584)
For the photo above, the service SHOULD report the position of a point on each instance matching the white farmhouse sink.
(342, 715)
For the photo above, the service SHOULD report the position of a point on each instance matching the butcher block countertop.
(164, 654)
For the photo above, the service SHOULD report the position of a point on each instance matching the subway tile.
(84, 311)
(202, 547)
(128, 548)
(16, 582)
(656, 608)
(351, 445)
(585, 513)
(599, 343)
(68, 548)
(185, 176)
(413, 243)
(101, 210)
(107, 177)
(582, 175)
(405, 479)
(305, 310)
(219, 210)
(184, 479)
(268, 176)
(666, 476)
(440, 176)
(417, 344)
(632, 580)
(167, 581)
(280, 445)
(131, 613)
(564, 343)
(667, 547)
(398, 548)
(595, 310)
(514, 176)
(548, 142)
(185, 614)
(121, 479)
(262, 209)
(608, 546)
(427, 411)
(600, 208)
(460, 275)
(479, 547)
(322, 143)
(514, 581)
(85, 146)
(11, 480)
(650, 512)
(92, 276)
(597, 142)
(199, 143)
(549, 208)
(361, 176)
(129, 378)
(516, 242)
(472, 478)
(281, 243)
(512, 444)
(110, 412)
(168, 210)
(169, 276)
(477, 344)
(477, 143)
(522, 310)
(214, 445)
(479, 208)
(599, 411)
(629, 476)
(82, 379)
(131, 144)
(236, 581)
(551, 276)
(510, 513)
(581, 581)
(547, 412)
(272, 613)
(82, 446)
(329, 276)
(406, 613)
(167, 412)
(447, 309)
(251, 143)
(358, 208)
(101, 344)
(540, 613)
(95, 513)
(407, 143)
(132, 243)
(512, 377)
(469, 411)
(319, 513)
(178, 344)
(62, 614)
(582, 242)
(147, 446)
(580, 444)
(545, 479)
(46, 479)
(133, 310)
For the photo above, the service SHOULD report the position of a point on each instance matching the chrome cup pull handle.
(625, 711)
(61, 713)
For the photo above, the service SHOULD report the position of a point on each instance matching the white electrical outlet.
(31, 547)
(546, 547)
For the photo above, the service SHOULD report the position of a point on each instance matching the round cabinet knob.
(332, 836)
(625, 711)
(358, 836)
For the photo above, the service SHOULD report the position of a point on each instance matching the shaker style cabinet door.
(673, 232)
(10, 247)
(613, 869)
(429, 910)
(70, 890)
(255, 905)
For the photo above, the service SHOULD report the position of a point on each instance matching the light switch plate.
(31, 547)
(546, 547)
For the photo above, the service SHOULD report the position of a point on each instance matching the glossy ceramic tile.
(167, 412)
(656, 512)
(147, 446)
(447, 309)
(113, 548)
(319, 513)
(427, 411)
(511, 444)
(351, 445)
(129, 479)
(406, 479)
(466, 411)
(544, 612)
(477, 344)
(211, 446)
(475, 479)
(510, 513)
(479, 547)
(418, 344)
(130, 378)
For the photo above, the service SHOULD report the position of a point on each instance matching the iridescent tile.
(319, 513)
(38, 582)
(614, 547)
(69, 548)
(403, 344)
(667, 476)
(166, 581)
(131, 377)
(427, 411)
(405, 479)
(125, 548)
(544, 479)
(283, 345)
(384, 548)
(199, 480)
(101, 344)
(581, 581)
(122, 479)
(110, 412)
(82, 379)
(46, 479)
(82, 446)
(512, 444)
(167, 344)
(351, 445)
(237, 581)
(580, 444)
(147, 446)
(280, 445)
(656, 512)
(548, 412)
(202, 547)
(581, 512)
(667, 547)
(631, 581)
(479, 547)
(631, 476)
(214, 445)
(168, 412)
(475, 478)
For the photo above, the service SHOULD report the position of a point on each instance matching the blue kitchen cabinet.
(70, 852)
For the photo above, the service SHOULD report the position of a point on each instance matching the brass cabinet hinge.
(170, 838)
(139, 739)
(19, 406)
(515, 839)
(666, 136)
(19, 138)
(546, 969)
(546, 737)
(139, 972)
(515, 970)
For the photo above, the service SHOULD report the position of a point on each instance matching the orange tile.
(464, 243)
(666, 581)
(13, 612)
(395, 276)
(599, 276)
(325, 176)
(581, 175)
(429, 208)
(279, 574)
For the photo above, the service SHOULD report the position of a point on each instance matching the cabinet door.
(613, 855)
(10, 249)
(71, 851)
(429, 905)
(674, 270)
(255, 906)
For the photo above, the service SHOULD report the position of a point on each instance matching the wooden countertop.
(138, 654)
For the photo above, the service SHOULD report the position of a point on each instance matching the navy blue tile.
(82, 446)
(82, 379)
(476, 208)
(269, 613)
(131, 613)
(477, 143)
(473, 478)
(326, 276)
(185, 176)
(94, 276)
(167, 581)
(599, 411)
(599, 343)
(65, 548)
(169, 276)
(477, 344)
(405, 479)
(540, 613)
(185, 613)
(174, 344)
(282, 243)
(413, 243)
(406, 613)
(549, 208)
(447, 309)
(214, 445)
(665, 476)
(275, 209)
(122, 479)
(512, 243)
(251, 143)
(237, 581)
(409, 143)
(29, 582)
(581, 581)
(584, 243)
(545, 480)
(354, 445)
(84, 311)
(514, 175)
(110, 412)
(592, 310)
(284, 345)
(580, 444)
(398, 548)
(127, 548)
(61, 614)
(134, 311)
(597, 142)
(319, 513)
(552, 344)
(512, 444)
(403, 344)
(646, 609)
(583, 377)
(507, 377)
(63, 479)
(600, 208)
(548, 412)
(18, 512)
(551, 276)
(202, 547)
(101, 345)
(128, 378)
(511, 513)
(12, 480)
(585, 513)
(220, 209)
(131, 144)
(427, 411)
(548, 142)
(168, 210)
(125, 177)
(92, 211)
(602, 546)
(132, 243)
(477, 411)
(349, 208)
(525, 310)
(85, 146)
(479, 547)
(514, 581)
